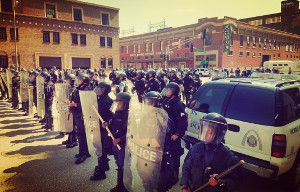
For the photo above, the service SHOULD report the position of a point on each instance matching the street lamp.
(15, 31)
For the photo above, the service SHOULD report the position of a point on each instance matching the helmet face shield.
(150, 102)
(211, 132)
(99, 90)
(167, 92)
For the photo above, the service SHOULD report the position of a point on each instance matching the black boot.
(99, 174)
(61, 135)
(120, 185)
(80, 159)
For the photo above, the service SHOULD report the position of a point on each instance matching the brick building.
(61, 33)
(229, 43)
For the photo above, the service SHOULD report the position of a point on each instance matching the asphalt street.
(33, 160)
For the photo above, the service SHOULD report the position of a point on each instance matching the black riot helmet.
(91, 72)
(124, 99)
(84, 77)
(54, 76)
(154, 99)
(121, 74)
(46, 76)
(140, 74)
(170, 90)
(103, 88)
(151, 72)
(213, 127)
(160, 74)
(70, 77)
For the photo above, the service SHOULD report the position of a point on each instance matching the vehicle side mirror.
(233, 128)
(194, 104)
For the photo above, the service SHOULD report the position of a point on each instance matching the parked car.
(203, 72)
(266, 113)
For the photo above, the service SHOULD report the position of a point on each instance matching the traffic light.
(165, 57)
(204, 34)
(192, 47)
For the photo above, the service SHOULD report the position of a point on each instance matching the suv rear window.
(253, 105)
(211, 98)
(291, 104)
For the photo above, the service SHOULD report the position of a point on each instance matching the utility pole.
(15, 32)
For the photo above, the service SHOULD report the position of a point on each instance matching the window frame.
(12, 34)
(55, 42)
(82, 18)
(109, 46)
(103, 12)
(45, 9)
(44, 37)
(83, 43)
(4, 35)
(101, 41)
(73, 34)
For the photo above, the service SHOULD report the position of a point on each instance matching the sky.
(139, 13)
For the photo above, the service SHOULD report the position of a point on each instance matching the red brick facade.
(32, 22)
(214, 51)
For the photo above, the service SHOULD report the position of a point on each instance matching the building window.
(133, 48)
(248, 53)
(126, 48)
(253, 54)
(248, 41)
(105, 19)
(74, 38)
(278, 48)
(178, 55)
(187, 42)
(265, 43)
(109, 42)
(110, 63)
(161, 45)
(274, 56)
(139, 57)
(12, 34)
(287, 48)
(241, 40)
(147, 47)
(103, 63)
(231, 38)
(122, 49)
(3, 35)
(146, 57)
(77, 14)
(6, 6)
(259, 54)
(254, 42)
(274, 45)
(186, 55)
(270, 44)
(278, 55)
(259, 42)
(102, 41)
(241, 53)
(82, 39)
(230, 53)
(139, 48)
(56, 37)
(46, 36)
(50, 10)
(291, 56)
(208, 39)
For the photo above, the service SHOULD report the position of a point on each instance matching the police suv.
(265, 114)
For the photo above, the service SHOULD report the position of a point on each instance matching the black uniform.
(218, 158)
(197, 83)
(4, 92)
(48, 90)
(153, 85)
(176, 111)
(15, 90)
(175, 79)
(139, 86)
(78, 117)
(188, 87)
(104, 106)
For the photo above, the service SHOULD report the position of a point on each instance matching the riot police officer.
(15, 89)
(32, 85)
(104, 106)
(210, 157)
(188, 83)
(176, 111)
(122, 86)
(197, 83)
(118, 126)
(161, 79)
(48, 90)
(152, 83)
(173, 77)
(75, 108)
(139, 85)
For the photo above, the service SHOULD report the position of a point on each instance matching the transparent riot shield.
(62, 120)
(30, 101)
(4, 78)
(91, 121)
(147, 127)
(2, 84)
(9, 83)
(40, 83)
(24, 81)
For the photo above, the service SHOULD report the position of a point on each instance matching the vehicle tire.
(200, 74)
(291, 180)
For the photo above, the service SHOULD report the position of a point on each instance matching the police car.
(202, 72)
(265, 114)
